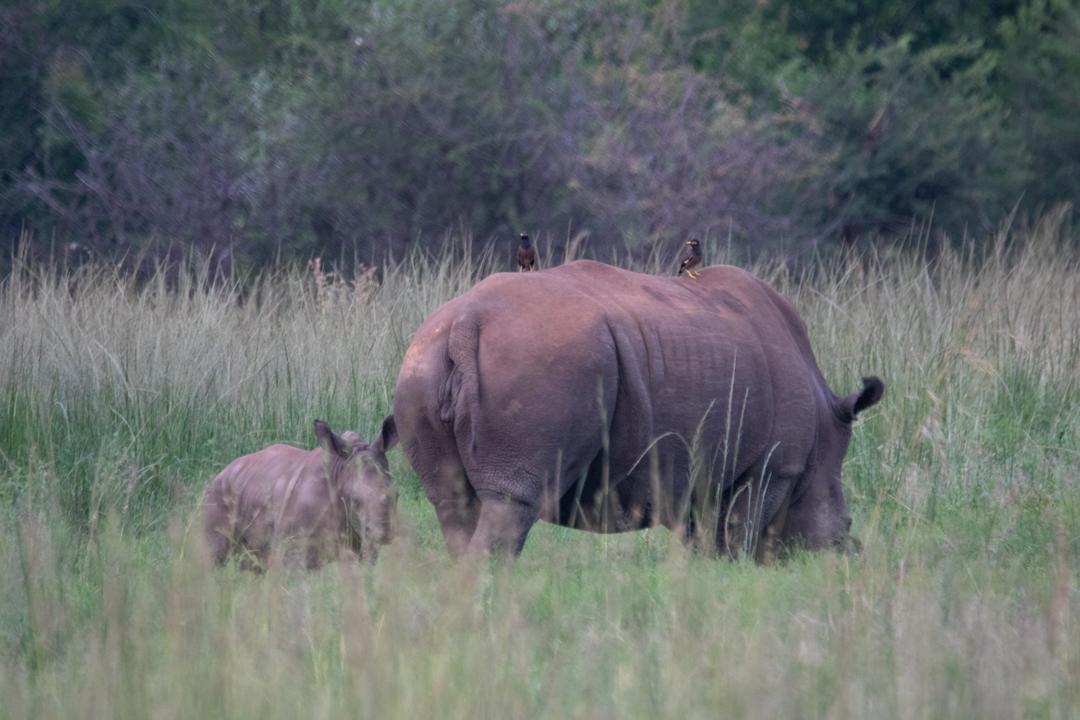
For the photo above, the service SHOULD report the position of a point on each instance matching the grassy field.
(118, 403)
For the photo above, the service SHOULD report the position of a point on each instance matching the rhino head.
(817, 515)
(359, 474)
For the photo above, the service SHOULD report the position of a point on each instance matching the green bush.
(259, 131)
(1039, 77)
(914, 134)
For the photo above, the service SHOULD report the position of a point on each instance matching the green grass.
(118, 402)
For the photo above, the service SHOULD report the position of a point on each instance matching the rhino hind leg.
(458, 516)
(502, 526)
(456, 505)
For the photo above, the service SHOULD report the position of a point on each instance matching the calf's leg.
(217, 526)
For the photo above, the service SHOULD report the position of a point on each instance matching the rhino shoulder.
(758, 298)
(736, 281)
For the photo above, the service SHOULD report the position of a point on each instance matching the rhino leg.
(217, 524)
(218, 545)
(769, 545)
(502, 526)
(434, 456)
(313, 556)
(251, 560)
(458, 516)
(217, 535)
(751, 521)
(454, 499)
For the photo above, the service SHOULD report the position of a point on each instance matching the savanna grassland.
(119, 400)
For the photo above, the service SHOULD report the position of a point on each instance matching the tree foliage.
(273, 128)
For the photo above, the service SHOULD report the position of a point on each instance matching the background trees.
(278, 128)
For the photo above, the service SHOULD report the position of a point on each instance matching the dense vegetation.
(283, 128)
(118, 401)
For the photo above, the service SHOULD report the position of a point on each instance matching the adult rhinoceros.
(607, 400)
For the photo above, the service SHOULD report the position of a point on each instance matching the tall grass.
(118, 401)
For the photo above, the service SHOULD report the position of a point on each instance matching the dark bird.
(526, 254)
(690, 257)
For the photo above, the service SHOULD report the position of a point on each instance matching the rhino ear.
(331, 442)
(872, 392)
(387, 437)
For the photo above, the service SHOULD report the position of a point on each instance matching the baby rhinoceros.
(303, 506)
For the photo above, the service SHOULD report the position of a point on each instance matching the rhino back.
(276, 491)
(537, 372)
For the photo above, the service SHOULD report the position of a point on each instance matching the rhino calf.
(305, 506)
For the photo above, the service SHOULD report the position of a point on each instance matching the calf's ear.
(330, 441)
(872, 392)
(387, 437)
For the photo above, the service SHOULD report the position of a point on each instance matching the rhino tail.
(448, 397)
(461, 387)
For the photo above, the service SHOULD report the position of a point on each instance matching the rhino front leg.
(769, 546)
(218, 524)
(754, 517)
(218, 545)
(503, 525)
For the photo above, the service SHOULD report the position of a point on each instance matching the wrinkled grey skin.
(509, 395)
(303, 506)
